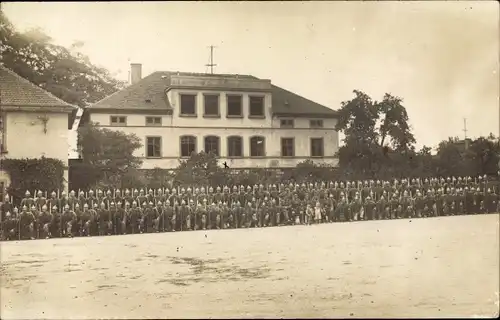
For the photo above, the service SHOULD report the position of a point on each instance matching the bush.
(44, 174)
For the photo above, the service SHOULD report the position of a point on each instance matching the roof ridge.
(35, 86)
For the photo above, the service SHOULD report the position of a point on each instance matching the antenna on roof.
(211, 64)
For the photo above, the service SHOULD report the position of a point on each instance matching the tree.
(66, 73)
(201, 169)
(108, 157)
(373, 130)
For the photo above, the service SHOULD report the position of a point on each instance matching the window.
(256, 106)
(316, 123)
(211, 105)
(188, 104)
(212, 145)
(287, 147)
(118, 120)
(286, 123)
(153, 147)
(234, 106)
(153, 121)
(188, 146)
(317, 149)
(234, 147)
(257, 147)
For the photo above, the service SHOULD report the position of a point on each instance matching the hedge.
(44, 174)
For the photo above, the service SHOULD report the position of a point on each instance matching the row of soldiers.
(137, 211)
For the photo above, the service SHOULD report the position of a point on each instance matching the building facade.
(33, 122)
(248, 122)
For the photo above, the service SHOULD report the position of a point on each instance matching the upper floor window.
(118, 120)
(211, 105)
(287, 123)
(212, 145)
(257, 106)
(153, 147)
(234, 106)
(257, 146)
(317, 147)
(316, 123)
(188, 105)
(188, 145)
(153, 121)
(234, 146)
(287, 147)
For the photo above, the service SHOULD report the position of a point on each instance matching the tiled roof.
(149, 93)
(19, 92)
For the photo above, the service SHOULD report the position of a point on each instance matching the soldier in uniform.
(104, 220)
(68, 218)
(40, 200)
(44, 220)
(147, 217)
(26, 224)
(27, 201)
(86, 221)
(10, 227)
(55, 223)
(72, 200)
(159, 222)
(369, 207)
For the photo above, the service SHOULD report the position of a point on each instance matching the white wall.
(174, 127)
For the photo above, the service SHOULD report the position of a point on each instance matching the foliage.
(66, 73)
(377, 136)
(200, 169)
(33, 175)
(108, 157)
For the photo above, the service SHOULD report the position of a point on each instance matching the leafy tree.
(107, 157)
(373, 130)
(66, 73)
(200, 169)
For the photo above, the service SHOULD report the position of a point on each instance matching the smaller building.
(33, 122)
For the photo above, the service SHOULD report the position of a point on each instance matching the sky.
(442, 58)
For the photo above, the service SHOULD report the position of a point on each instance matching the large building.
(33, 122)
(248, 122)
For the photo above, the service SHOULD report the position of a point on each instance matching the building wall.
(173, 127)
(25, 137)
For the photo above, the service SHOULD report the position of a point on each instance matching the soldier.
(104, 215)
(55, 223)
(26, 224)
(100, 198)
(68, 218)
(63, 201)
(419, 205)
(44, 220)
(92, 200)
(160, 216)
(355, 208)
(27, 201)
(5, 207)
(203, 214)
(94, 221)
(40, 200)
(72, 200)
(82, 200)
(86, 221)
(119, 201)
(117, 218)
(108, 199)
(369, 208)
(146, 219)
(254, 212)
(10, 227)
(128, 197)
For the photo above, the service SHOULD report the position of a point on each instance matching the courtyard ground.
(436, 267)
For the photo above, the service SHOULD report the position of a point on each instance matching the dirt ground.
(436, 267)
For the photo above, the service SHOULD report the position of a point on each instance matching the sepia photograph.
(249, 159)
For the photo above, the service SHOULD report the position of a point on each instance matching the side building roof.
(149, 95)
(19, 94)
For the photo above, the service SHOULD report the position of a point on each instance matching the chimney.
(135, 72)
